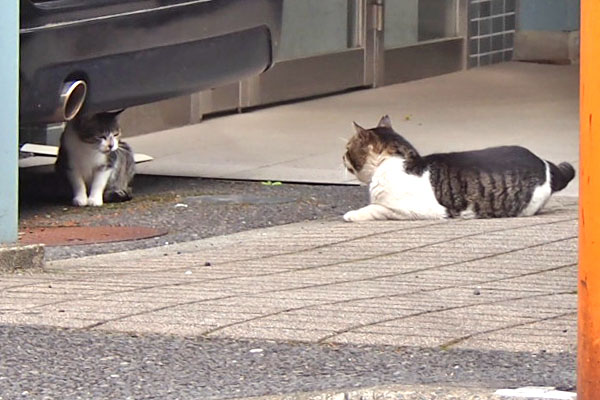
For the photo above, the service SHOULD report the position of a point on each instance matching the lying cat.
(506, 181)
(98, 166)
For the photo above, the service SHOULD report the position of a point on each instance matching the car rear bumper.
(135, 53)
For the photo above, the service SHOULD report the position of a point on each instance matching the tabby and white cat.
(96, 163)
(506, 181)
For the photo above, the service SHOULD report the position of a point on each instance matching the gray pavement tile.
(266, 302)
(309, 334)
(174, 318)
(491, 344)
(43, 319)
(376, 339)
(403, 283)
(559, 338)
(135, 326)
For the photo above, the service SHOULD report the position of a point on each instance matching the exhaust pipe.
(71, 99)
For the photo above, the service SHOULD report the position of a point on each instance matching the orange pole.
(588, 358)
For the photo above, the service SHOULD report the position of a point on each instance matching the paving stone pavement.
(502, 284)
(498, 284)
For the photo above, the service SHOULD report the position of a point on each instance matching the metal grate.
(491, 31)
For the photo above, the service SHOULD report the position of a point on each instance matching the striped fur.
(507, 181)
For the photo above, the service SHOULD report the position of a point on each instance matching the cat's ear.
(81, 120)
(385, 122)
(114, 113)
(359, 129)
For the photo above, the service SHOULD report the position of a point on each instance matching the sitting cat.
(506, 181)
(98, 166)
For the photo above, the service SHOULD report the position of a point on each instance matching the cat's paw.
(352, 216)
(80, 201)
(95, 201)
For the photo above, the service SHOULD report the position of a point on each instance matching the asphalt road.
(41, 363)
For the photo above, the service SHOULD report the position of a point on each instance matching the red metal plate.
(74, 235)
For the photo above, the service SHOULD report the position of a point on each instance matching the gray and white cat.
(505, 181)
(96, 163)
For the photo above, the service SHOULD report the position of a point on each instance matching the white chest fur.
(84, 158)
(408, 195)
(540, 196)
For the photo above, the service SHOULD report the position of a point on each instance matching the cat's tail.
(560, 175)
(117, 196)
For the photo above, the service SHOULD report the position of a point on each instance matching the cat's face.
(101, 130)
(366, 150)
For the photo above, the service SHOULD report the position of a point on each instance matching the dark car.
(109, 54)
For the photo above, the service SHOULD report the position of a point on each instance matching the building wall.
(547, 31)
(329, 46)
(548, 15)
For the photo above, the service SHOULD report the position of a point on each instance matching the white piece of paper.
(52, 151)
(530, 392)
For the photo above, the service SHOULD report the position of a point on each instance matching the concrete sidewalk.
(498, 285)
(533, 105)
